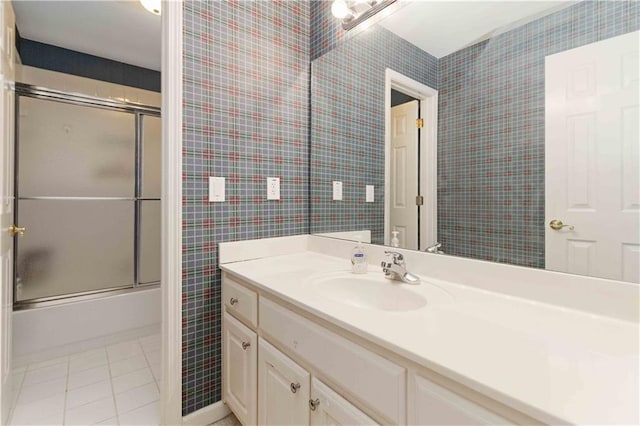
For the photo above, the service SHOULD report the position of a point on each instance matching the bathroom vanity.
(307, 342)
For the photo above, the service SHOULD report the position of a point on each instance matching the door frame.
(171, 207)
(428, 98)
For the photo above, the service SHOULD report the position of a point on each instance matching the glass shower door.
(150, 257)
(76, 196)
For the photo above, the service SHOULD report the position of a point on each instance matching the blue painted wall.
(54, 58)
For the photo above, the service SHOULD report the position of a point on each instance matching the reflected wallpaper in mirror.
(491, 127)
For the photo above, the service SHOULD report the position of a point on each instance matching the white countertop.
(552, 363)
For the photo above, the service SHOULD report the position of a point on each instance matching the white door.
(592, 154)
(329, 408)
(239, 377)
(404, 174)
(7, 71)
(283, 394)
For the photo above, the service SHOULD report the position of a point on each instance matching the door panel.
(74, 246)
(278, 403)
(7, 114)
(239, 380)
(591, 124)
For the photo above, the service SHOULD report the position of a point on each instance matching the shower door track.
(40, 92)
(138, 110)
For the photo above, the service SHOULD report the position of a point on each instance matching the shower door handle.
(16, 230)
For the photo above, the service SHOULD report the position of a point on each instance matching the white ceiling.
(120, 30)
(124, 31)
(443, 27)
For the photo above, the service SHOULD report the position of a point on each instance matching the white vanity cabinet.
(239, 377)
(329, 408)
(283, 388)
(273, 356)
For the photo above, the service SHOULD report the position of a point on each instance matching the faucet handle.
(397, 257)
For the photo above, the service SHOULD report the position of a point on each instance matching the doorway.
(410, 162)
(90, 364)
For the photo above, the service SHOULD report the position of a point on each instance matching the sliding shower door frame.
(139, 111)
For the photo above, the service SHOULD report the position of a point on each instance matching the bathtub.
(58, 330)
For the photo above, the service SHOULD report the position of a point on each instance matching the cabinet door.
(239, 380)
(283, 388)
(329, 408)
(431, 404)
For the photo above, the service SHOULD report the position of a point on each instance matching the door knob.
(245, 345)
(13, 230)
(557, 225)
(295, 387)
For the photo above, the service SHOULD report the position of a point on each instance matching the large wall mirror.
(505, 131)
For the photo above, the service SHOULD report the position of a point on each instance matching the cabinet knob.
(295, 387)
(245, 345)
(314, 403)
(233, 301)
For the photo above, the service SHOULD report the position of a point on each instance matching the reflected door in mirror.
(592, 160)
(404, 174)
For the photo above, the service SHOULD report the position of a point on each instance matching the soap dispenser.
(358, 260)
(395, 242)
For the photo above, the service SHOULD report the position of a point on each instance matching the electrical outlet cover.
(337, 190)
(273, 188)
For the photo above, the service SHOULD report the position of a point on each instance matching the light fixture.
(340, 10)
(153, 6)
(353, 12)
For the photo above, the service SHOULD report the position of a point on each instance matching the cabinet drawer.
(241, 302)
(373, 380)
(332, 409)
(431, 404)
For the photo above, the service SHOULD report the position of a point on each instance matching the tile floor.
(230, 420)
(112, 385)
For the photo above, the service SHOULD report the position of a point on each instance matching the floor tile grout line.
(15, 397)
(155, 380)
(142, 406)
(113, 392)
(66, 387)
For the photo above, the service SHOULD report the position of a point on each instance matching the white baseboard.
(207, 415)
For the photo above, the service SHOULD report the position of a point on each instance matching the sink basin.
(367, 291)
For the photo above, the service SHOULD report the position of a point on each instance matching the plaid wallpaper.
(246, 117)
(246, 83)
(491, 132)
(347, 126)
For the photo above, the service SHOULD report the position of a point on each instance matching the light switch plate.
(273, 188)
(337, 190)
(216, 189)
(369, 193)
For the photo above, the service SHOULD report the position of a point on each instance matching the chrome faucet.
(434, 248)
(396, 269)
